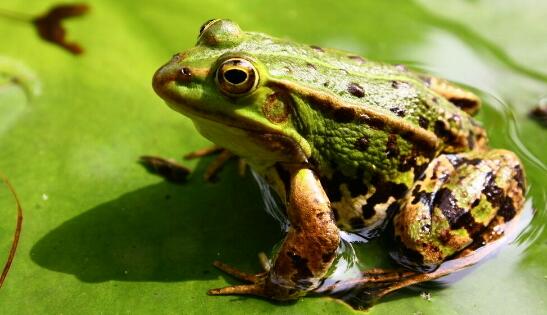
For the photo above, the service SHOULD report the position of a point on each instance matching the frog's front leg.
(308, 250)
(218, 163)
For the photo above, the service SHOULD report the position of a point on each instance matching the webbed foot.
(257, 282)
(166, 168)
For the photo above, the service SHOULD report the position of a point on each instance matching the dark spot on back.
(316, 48)
(372, 122)
(362, 143)
(311, 65)
(358, 59)
(356, 90)
(391, 146)
(440, 129)
(344, 71)
(396, 84)
(344, 114)
(398, 111)
(423, 122)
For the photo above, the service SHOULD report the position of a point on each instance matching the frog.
(349, 145)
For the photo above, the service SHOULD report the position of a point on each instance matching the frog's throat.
(330, 103)
(269, 138)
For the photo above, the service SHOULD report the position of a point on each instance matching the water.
(78, 140)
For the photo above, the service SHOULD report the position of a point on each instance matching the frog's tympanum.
(348, 145)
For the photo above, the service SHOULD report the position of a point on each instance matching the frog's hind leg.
(464, 99)
(455, 215)
(382, 282)
(453, 202)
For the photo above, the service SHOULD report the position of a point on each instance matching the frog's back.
(373, 127)
(387, 94)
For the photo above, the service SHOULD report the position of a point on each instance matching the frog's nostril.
(184, 75)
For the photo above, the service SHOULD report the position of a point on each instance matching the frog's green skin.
(346, 142)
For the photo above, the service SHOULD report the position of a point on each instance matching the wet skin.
(347, 144)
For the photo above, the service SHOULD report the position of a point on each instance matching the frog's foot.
(166, 168)
(218, 163)
(257, 282)
(373, 281)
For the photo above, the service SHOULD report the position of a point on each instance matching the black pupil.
(235, 76)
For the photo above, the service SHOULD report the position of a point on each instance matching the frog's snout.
(171, 72)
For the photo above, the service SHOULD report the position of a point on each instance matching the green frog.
(349, 145)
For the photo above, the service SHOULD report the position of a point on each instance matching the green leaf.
(101, 235)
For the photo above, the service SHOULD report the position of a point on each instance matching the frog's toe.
(236, 273)
(244, 289)
(255, 286)
(166, 168)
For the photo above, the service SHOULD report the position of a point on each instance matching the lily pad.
(102, 235)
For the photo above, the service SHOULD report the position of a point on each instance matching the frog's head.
(221, 84)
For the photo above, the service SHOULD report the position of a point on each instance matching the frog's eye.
(236, 76)
(206, 25)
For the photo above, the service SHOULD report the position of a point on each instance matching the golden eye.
(236, 76)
